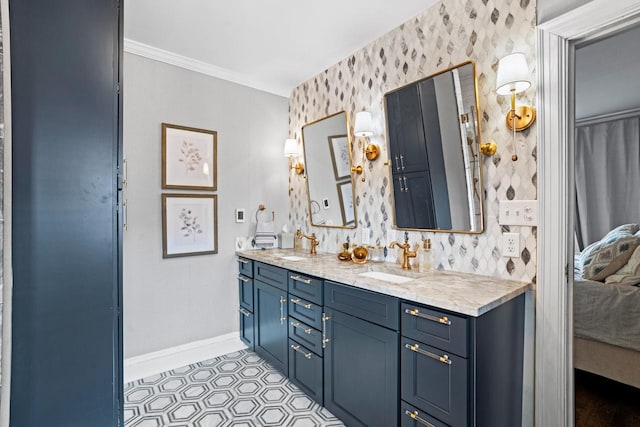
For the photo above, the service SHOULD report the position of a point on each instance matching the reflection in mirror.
(327, 152)
(435, 166)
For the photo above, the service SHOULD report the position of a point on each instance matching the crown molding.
(171, 58)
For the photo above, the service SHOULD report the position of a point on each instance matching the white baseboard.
(149, 364)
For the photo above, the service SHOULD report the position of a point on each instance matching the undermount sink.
(292, 258)
(387, 277)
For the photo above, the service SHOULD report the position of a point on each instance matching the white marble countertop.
(463, 293)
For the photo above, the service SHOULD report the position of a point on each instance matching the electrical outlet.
(510, 245)
(365, 236)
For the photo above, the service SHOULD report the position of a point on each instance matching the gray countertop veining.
(463, 293)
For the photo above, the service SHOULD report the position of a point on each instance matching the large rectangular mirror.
(327, 154)
(435, 164)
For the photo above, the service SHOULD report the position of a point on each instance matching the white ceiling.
(271, 45)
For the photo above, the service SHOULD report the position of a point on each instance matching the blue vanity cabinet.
(245, 297)
(270, 324)
(361, 356)
(306, 334)
(462, 371)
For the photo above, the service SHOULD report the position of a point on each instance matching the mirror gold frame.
(347, 133)
(477, 144)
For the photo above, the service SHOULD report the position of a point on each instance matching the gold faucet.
(406, 253)
(314, 241)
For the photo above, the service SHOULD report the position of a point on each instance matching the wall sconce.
(363, 128)
(291, 150)
(513, 77)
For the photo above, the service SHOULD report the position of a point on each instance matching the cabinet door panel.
(406, 132)
(305, 371)
(361, 371)
(435, 386)
(416, 208)
(246, 328)
(271, 325)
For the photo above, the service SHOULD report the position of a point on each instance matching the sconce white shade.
(291, 148)
(363, 126)
(513, 73)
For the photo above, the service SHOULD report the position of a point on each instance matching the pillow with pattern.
(603, 258)
(629, 274)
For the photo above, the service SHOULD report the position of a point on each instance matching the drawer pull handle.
(297, 325)
(244, 261)
(244, 312)
(283, 300)
(414, 415)
(325, 340)
(300, 279)
(297, 348)
(244, 279)
(444, 358)
(415, 312)
(297, 302)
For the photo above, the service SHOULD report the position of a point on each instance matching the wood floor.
(601, 402)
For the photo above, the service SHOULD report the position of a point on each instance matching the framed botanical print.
(339, 148)
(189, 224)
(189, 158)
(345, 195)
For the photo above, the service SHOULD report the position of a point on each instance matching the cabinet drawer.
(445, 331)
(274, 276)
(434, 382)
(246, 327)
(371, 306)
(245, 290)
(305, 311)
(411, 417)
(305, 287)
(245, 267)
(305, 335)
(305, 371)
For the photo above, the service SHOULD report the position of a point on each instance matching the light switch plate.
(518, 212)
(511, 245)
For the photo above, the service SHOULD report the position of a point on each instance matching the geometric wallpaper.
(446, 34)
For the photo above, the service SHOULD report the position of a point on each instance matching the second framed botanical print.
(189, 224)
(189, 158)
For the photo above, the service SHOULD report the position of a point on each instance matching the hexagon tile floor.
(237, 389)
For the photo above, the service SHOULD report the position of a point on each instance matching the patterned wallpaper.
(444, 35)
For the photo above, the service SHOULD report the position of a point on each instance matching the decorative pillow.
(603, 258)
(629, 274)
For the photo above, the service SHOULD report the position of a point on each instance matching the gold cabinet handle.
(244, 312)
(244, 279)
(325, 340)
(297, 348)
(297, 302)
(297, 326)
(415, 312)
(415, 415)
(300, 279)
(244, 261)
(283, 300)
(416, 347)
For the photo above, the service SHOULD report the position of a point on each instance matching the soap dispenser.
(425, 257)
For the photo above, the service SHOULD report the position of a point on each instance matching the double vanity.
(381, 346)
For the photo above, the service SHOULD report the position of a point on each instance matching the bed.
(607, 330)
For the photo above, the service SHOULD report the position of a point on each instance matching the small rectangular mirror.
(435, 163)
(327, 154)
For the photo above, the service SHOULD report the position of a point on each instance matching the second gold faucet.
(406, 252)
(312, 237)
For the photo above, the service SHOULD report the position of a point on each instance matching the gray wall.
(168, 302)
(549, 9)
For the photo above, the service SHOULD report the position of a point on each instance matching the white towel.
(265, 234)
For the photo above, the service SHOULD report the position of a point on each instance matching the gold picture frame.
(339, 148)
(189, 225)
(189, 158)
